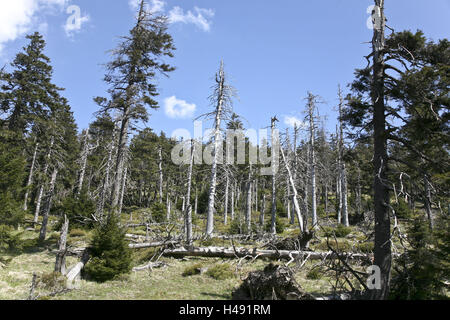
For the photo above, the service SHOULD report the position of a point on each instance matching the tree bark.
(30, 178)
(312, 163)
(221, 252)
(48, 205)
(213, 181)
(41, 188)
(382, 250)
(60, 264)
(188, 213)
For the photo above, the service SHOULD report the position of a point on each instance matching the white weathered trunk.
(84, 157)
(220, 252)
(294, 189)
(30, 178)
(48, 205)
(213, 180)
(263, 210)
(122, 191)
(248, 211)
(273, 226)
(41, 188)
(188, 213)
(312, 162)
(60, 263)
(232, 204)
(160, 175)
(342, 167)
(294, 173)
(227, 187)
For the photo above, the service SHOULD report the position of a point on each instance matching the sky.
(274, 51)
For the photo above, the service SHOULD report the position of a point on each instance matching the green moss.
(314, 274)
(193, 270)
(221, 272)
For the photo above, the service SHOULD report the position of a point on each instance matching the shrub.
(402, 209)
(202, 204)
(8, 241)
(421, 272)
(159, 212)
(280, 225)
(77, 210)
(340, 231)
(52, 281)
(221, 272)
(11, 212)
(366, 247)
(193, 270)
(76, 233)
(109, 250)
(240, 227)
(314, 274)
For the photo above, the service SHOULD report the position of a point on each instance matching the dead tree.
(312, 157)
(294, 189)
(60, 263)
(343, 199)
(222, 99)
(188, 211)
(48, 204)
(42, 186)
(273, 226)
(30, 177)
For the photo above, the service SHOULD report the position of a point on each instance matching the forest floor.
(16, 271)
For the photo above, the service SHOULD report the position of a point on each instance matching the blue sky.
(274, 51)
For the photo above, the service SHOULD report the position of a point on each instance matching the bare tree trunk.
(121, 157)
(188, 212)
(382, 250)
(48, 205)
(296, 205)
(41, 188)
(263, 210)
(30, 177)
(248, 211)
(427, 201)
(227, 186)
(196, 202)
(213, 181)
(60, 263)
(296, 130)
(160, 175)
(105, 191)
(312, 163)
(342, 166)
(84, 157)
(122, 191)
(232, 204)
(273, 226)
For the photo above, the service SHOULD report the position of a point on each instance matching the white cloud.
(18, 17)
(179, 109)
(293, 121)
(201, 18)
(151, 6)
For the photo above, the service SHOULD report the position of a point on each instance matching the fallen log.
(151, 265)
(218, 252)
(152, 244)
(74, 273)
